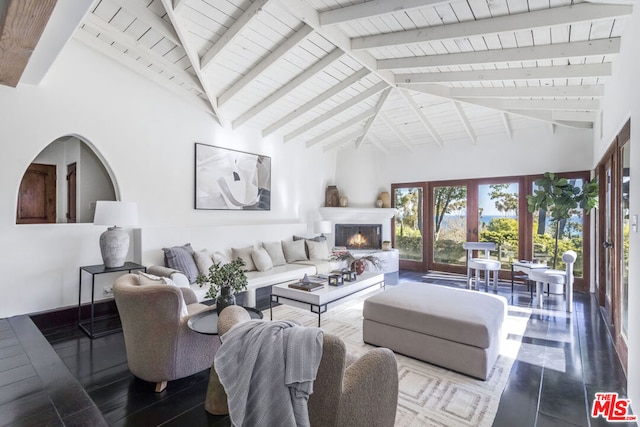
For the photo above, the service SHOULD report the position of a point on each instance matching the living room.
(146, 137)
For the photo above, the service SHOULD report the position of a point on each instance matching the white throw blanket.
(267, 370)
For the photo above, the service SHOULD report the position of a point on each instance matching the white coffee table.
(318, 301)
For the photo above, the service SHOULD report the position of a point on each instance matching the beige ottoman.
(457, 329)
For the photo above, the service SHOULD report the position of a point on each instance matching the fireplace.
(359, 236)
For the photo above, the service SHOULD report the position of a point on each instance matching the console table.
(93, 270)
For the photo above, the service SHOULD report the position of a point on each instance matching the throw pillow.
(150, 279)
(220, 258)
(261, 259)
(245, 254)
(274, 249)
(294, 251)
(203, 260)
(318, 250)
(181, 258)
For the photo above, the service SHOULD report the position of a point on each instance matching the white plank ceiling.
(396, 74)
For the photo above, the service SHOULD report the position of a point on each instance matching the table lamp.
(322, 227)
(114, 243)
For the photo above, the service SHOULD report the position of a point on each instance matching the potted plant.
(225, 281)
(357, 264)
(560, 198)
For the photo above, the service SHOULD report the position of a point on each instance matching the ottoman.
(457, 329)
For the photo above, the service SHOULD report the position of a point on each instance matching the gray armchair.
(347, 391)
(160, 346)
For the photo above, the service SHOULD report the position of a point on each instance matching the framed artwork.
(231, 180)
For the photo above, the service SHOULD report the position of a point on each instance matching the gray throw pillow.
(294, 250)
(318, 250)
(181, 258)
(274, 249)
(203, 260)
(245, 254)
(261, 259)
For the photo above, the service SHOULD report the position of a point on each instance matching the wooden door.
(71, 193)
(37, 195)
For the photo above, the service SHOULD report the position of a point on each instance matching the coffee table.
(206, 322)
(318, 301)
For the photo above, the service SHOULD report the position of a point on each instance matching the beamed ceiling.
(395, 74)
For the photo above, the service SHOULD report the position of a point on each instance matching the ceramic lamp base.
(114, 246)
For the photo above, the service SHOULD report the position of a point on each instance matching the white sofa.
(256, 279)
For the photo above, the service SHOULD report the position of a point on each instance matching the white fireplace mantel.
(357, 214)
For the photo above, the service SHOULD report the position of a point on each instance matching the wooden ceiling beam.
(342, 141)
(337, 110)
(354, 78)
(565, 15)
(343, 126)
(506, 121)
(527, 73)
(530, 53)
(232, 32)
(20, 31)
(192, 55)
(314, 69)
(263, 65)
(465, 122)
(372, 9)
(536, 104)
(395, 129)
(586, 91)
(378, 108)
(423, 119)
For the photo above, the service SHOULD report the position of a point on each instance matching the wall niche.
(63, 183)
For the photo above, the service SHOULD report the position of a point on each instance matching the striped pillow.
(181, 258)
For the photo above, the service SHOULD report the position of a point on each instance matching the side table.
(88, 325)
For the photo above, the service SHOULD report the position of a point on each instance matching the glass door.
(622, 326)
(408, 225)
(451, 227)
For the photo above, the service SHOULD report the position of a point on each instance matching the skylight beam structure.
(343, 126)
(372, 9)
(378, 108)
(395, 129)
(423, 119)
(465, 122)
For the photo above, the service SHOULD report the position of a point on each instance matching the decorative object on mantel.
(225, 281)
(379, 203)
(357, 263)
(344, 201)
(114, 243)
(332, 197)
(386, 199)
(386, 245)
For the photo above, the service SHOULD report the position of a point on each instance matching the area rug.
(428, 395)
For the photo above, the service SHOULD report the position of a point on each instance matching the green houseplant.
(561, 198)
(225, 281)
(357, 264)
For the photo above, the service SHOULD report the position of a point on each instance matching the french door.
(613, 240)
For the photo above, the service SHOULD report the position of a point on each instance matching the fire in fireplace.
(359, 236)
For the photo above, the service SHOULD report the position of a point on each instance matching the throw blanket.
(267, 370)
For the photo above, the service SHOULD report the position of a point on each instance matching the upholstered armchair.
(347, 391)
(160, 346)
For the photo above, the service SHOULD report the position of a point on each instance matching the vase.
(358, 266)
(379, 203)
(386, 199)
(225, 299)
(344, 201)
(332, 196)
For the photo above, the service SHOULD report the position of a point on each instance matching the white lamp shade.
(322, 227)
(116, 213)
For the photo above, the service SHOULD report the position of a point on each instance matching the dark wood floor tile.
(46, 418)
(545, 420)
(11, 376)
(13, 362)
(24, 407)
(198, 416)
(20, 389)
(517, 407)
(563, 397)
(88, 417)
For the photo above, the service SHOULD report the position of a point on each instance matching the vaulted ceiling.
(397, 74)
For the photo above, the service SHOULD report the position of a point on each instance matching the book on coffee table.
(308, 286)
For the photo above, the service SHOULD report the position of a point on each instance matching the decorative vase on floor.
(225, 299)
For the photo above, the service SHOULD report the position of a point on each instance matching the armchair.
(160, 346)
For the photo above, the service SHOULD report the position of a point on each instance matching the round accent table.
(206, 322)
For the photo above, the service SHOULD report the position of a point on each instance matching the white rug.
(428, 395)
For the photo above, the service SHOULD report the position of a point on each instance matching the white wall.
(620, 103)
(146, 135)
(363, 174)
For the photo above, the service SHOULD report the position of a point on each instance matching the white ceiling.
(398, 74)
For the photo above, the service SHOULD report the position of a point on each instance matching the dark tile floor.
(562, 362)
